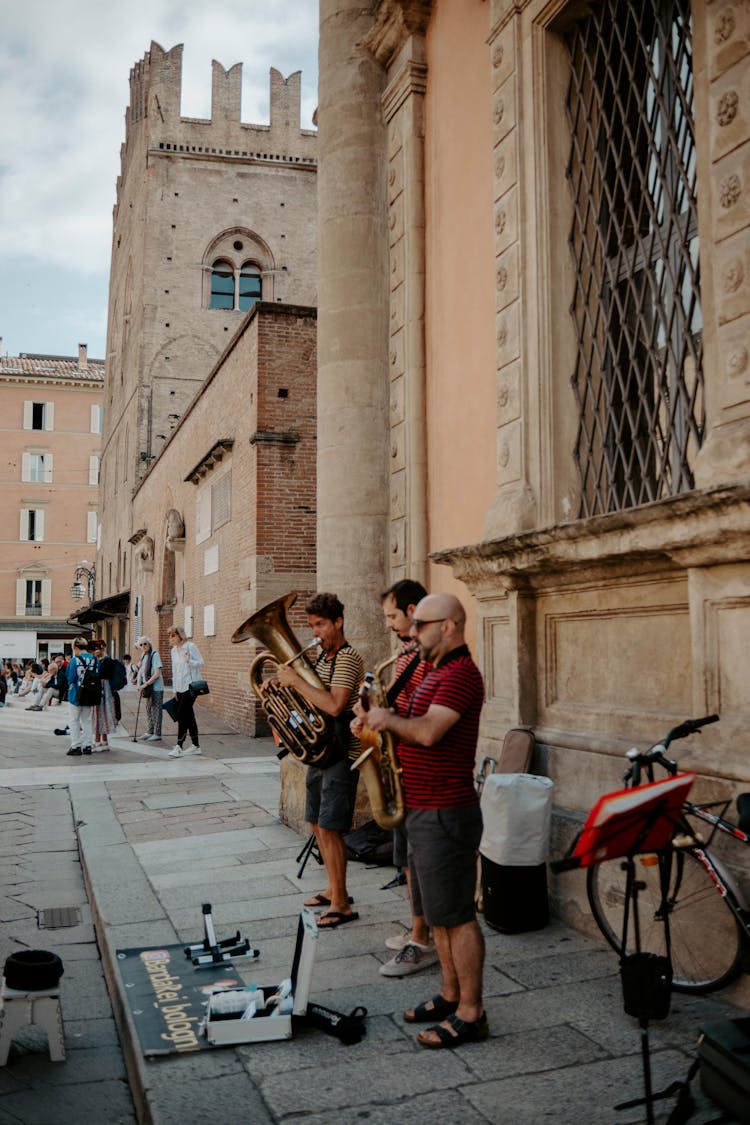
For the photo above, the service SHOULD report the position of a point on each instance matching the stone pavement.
(156, 838)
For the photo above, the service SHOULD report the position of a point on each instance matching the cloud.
(64, 88)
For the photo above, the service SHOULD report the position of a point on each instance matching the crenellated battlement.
(155, 101)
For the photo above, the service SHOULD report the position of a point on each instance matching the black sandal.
(460, 1031)
(440, 1009)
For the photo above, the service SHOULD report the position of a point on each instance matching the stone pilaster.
(353, 493)
(722, 30)
(397, 42)
(514, 508)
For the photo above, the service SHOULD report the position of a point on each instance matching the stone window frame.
(242, 252)
(548, 403)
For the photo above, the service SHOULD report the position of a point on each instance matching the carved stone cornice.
(395, 21)
(696, 529)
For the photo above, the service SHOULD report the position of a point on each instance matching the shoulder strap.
(406, 674)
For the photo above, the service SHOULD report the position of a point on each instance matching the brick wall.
(261, 398)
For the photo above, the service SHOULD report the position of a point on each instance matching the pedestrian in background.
(81, 717)
(151, 687)
(187, 663)
(105, 719)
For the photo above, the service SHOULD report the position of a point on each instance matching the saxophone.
(378, 764)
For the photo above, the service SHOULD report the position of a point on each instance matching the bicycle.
(707, 940)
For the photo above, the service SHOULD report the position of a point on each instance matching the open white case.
(225, 1028)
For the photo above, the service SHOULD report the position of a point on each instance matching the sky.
(64, 88)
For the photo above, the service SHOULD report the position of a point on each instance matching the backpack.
(89, 684)
(370, 844)
(119, 676)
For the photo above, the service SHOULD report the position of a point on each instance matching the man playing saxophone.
(331, 792)
(437, 748)
(414, 950)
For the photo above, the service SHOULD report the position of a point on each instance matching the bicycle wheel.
(706, 937)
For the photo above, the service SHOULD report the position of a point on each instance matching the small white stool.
(19, 1009)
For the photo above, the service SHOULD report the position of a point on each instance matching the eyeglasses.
(417, 625)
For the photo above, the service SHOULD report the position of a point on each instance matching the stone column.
(352, 322)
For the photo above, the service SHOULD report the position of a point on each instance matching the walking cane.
(137, 713)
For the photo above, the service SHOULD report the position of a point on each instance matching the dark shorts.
(330, 796)
(443, 846)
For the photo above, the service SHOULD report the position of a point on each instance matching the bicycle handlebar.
(657, 753)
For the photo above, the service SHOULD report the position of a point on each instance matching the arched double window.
(235, 286)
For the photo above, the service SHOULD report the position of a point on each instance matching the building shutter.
(91, 527)
(48, 468)
(20, 597)
(49, 415)
(46, 597)
(28, 415)
(209, 621)
(39, 525)
(23, 534)
(93, 469)
(188, 620)
(25, 466)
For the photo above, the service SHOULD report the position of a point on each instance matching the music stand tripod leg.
(310, 849)
(634, 987)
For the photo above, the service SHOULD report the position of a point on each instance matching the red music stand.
(632, 821)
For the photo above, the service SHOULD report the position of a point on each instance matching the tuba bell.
(378, 763)
(301, 728)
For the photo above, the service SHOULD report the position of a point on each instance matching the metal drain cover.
(58, 917)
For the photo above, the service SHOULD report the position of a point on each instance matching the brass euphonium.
(301, 728)
(378, 764)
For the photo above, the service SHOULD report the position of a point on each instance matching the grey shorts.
(443, 847)
(330, 796)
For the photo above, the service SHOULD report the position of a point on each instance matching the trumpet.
(378, 764)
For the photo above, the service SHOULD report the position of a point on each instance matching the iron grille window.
(638, 381)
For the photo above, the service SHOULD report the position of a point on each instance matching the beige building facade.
(51, 439)
(550, 359)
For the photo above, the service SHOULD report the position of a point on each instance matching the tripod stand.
(646, 977)
(632, 823)
(310, 849)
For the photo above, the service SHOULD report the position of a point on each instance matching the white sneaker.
(152, 738)
(411, 959)
(398, 941)
(185, 752)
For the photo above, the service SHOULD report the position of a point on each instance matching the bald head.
(441, 605)
(438, 623)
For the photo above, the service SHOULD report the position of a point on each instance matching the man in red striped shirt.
(437, 750)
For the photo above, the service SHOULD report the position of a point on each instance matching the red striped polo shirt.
(442, 776)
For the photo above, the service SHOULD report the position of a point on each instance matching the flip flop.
(339, 919)
(320, 900)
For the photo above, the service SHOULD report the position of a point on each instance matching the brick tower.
(210, 216)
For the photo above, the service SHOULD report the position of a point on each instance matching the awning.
(116, 605)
